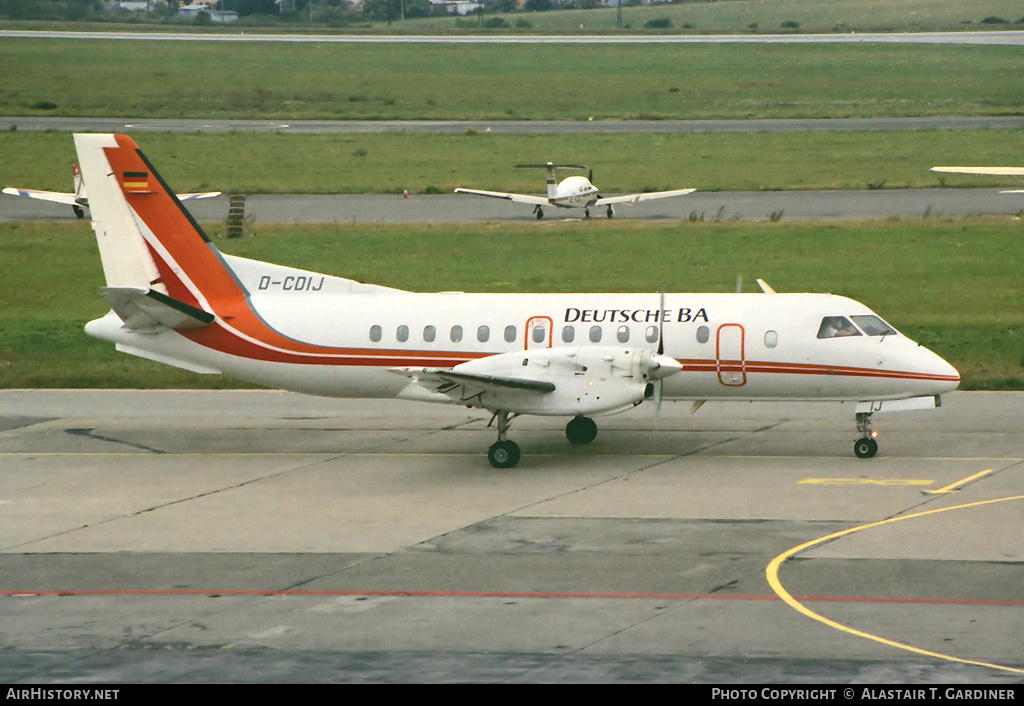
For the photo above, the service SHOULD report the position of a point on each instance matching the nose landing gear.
(866, 446)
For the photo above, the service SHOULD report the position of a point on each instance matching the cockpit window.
(873, 326)
(836, 327)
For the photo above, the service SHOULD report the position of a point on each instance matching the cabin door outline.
(730, 361)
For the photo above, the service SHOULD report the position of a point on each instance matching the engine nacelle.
(588, 380)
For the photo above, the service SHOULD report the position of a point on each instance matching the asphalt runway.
(698, 206)
(185, 536)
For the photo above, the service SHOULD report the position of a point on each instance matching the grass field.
(391, 163)
(767, 16)
(953, 285)
(465, 81)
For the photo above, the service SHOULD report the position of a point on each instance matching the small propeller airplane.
(1015, 172)
(571, 192)
(78, 200)
(176, 299)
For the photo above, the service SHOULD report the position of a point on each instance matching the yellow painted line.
(953, 487)
(772, 572)
(863, 481)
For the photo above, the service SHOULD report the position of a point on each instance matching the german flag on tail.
(136, 181)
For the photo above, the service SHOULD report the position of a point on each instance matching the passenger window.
(836, 327)
(539, 333)
(873, 326)
(375, 333)
(568, 334)
(510, 334)
(771, 339)
(402, 334)
(483, 334)
(622, 335)
(429, 333)
(703, 334)
(652, 334)
(456, 334)
(595, 334)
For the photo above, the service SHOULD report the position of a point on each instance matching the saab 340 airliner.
(571, 192)
(78, 200)
(176, 299)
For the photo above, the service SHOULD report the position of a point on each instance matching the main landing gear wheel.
(581, 430)
(539, 211)
(503, 454)
(610, 211)
(865, 448)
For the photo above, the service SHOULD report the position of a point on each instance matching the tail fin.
(552, 182)
(551, 167)
(77, 173)
(146, 238)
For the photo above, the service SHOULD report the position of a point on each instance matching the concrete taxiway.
(157, 536)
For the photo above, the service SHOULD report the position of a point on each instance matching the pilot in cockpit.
(836, 327)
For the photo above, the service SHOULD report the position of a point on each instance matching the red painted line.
(503, 594)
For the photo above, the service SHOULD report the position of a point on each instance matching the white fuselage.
(325, 335)
(574, 192)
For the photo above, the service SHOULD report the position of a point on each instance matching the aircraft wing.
(997, 171)
(462, 387)
(72, 200)
(518, 198)
(54, 196)
(634, 198)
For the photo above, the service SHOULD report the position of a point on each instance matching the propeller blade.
(661, 324)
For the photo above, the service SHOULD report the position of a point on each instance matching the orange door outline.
(730, 343)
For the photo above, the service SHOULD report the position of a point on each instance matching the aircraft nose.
(944, 375)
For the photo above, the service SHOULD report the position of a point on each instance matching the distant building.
(217, 16)
(454, 7)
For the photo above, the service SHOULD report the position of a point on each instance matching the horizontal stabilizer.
(550, 165)
(149, 311)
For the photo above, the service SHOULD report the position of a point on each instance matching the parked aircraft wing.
(997, 171)
(634, 198)
(54, 196)
(518, 198)
(203, 195)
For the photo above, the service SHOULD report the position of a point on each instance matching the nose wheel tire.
(503, 454)
(865, 448)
